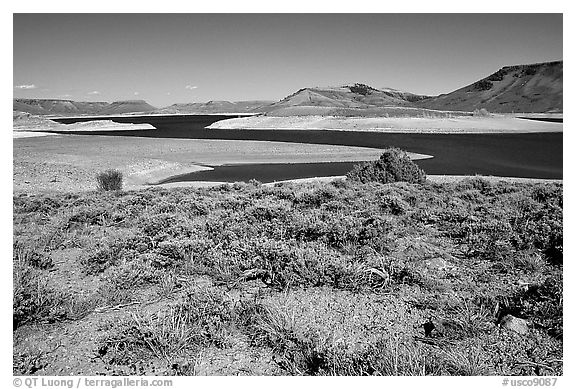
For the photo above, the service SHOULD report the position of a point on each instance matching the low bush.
(394, 165)
(543, 304)
(31, 257)
(109, 180)
(361, 89)
(483, 85)
(482, 112)
(34, 299)
(111, 250)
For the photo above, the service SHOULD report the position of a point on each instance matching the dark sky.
(169, 58)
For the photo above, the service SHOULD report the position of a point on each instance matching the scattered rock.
(436, 327)
(515, 324)
(142, 247)
(436, 264)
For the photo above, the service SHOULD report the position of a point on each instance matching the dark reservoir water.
(533, 155)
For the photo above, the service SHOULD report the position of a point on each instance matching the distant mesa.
(58, 107)
(127, 106)
(217, 106)
(520, 88)
(71, 108)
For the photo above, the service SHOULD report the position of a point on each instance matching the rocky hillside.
(69, 107)
(522, 88)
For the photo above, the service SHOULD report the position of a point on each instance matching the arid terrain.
(321, 278)
(384, 271)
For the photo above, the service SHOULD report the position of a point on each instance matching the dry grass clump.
(110, 179)
(201, 318)
(368, 335)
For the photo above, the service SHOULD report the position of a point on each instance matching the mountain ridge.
(535, 88)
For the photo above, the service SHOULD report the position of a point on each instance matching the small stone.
(515, 324)
(142, 247)
(436, 264)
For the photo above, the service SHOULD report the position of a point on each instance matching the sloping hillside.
(522, 88)
(217, 106)
(357, 96)
(58, 107)
(69, 107)
(404, 95)
(127, 106)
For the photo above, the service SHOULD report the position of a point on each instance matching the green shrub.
(482, 112)
(110, 179)
(88, 216)
(31, 257)
(34, 299)
(543, 304)
(394, 165)
(111, 250)
(498, 76)
(474, 183)
(361, 89)
(483, 85)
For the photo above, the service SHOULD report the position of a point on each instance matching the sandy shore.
(71, 162)
(30, 134)
(456, 125)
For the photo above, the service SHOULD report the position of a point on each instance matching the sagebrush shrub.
(34, 297)
(482, 112)
(110, 179)
(394, 165)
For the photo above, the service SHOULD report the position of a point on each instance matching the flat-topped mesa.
(533, 66)
(126, 106)
(216, 106)
(57, 106)
(130, 102)
(518, 88)
(70, 107)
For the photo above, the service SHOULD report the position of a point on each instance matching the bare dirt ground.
(70, 162)
(455, 125)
